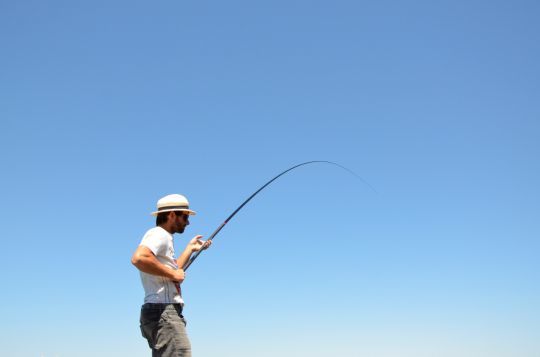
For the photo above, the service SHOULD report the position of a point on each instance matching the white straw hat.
(173, 203)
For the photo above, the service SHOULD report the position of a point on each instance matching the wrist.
(171, 274)
(188, 251)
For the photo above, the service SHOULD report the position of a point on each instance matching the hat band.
(172, 207)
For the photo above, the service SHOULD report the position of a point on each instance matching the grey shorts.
(164, 328)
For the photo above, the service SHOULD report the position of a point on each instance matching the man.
(162, 323)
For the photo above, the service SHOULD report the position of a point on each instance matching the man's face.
(181, 220)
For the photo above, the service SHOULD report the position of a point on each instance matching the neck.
(167, 227)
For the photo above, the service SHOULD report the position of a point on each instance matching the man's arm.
(193, 246)
(146, 261)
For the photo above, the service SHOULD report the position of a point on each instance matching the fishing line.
(186, 266)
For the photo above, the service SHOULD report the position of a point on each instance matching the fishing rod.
(186, 266)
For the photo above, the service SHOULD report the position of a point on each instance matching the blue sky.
(109, 105)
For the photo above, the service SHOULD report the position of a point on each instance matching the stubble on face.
(182, 222)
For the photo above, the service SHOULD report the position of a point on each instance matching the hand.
(178, 275)
(197, 244)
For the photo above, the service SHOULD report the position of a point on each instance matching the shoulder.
(157, 232)
(156, 238)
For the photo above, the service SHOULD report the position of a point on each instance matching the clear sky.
(106, 106)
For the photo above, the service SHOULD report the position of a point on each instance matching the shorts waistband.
(160, 308)
(151, 305)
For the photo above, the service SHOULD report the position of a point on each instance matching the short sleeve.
(155, 242)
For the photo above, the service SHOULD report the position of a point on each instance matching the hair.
(162, 218)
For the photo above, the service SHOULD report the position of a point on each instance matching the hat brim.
(190, 212)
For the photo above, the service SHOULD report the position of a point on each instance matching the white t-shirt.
(157, 289)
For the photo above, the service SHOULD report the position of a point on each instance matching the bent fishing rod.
(186, 266)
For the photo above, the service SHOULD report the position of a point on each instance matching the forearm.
(155, 268)
(184, 257)
(144, 260)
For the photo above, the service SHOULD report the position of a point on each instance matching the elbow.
(136, 260)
